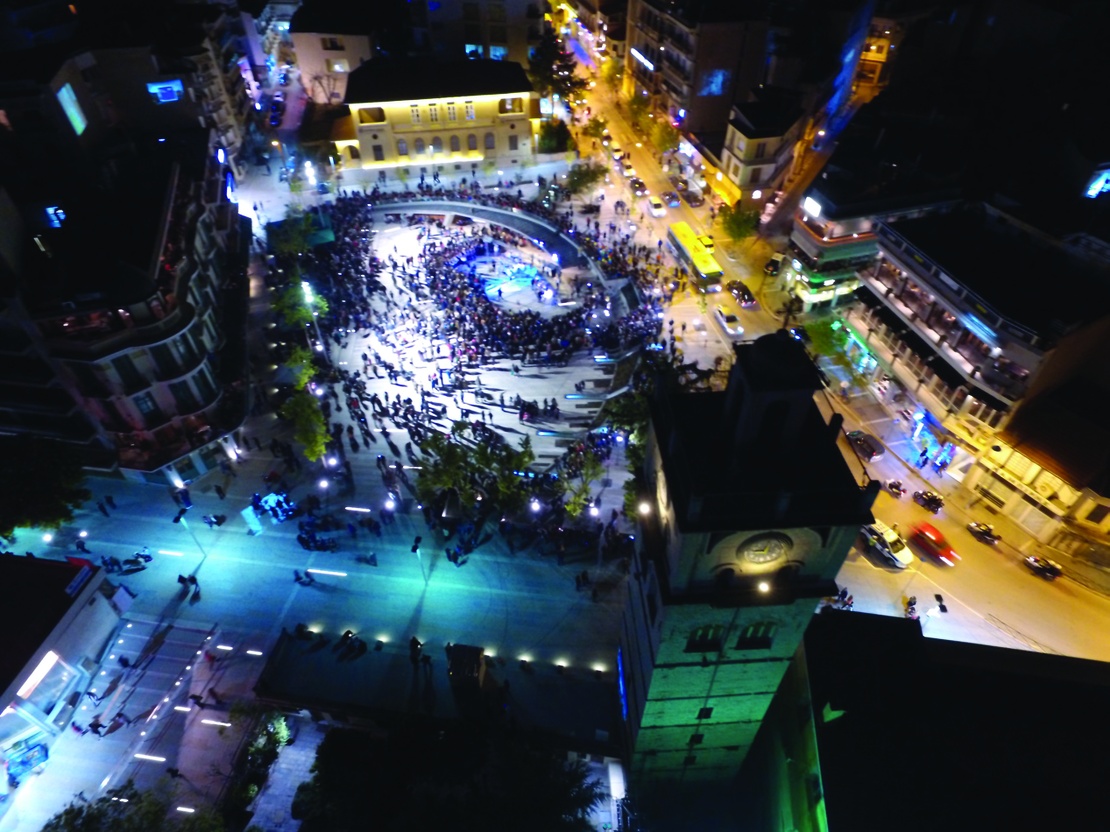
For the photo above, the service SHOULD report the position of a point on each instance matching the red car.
(933, 542)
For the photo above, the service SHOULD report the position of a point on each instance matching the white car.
(656, 207)
(615, 149)
(729, 322)
(887, 542)
(627, 169)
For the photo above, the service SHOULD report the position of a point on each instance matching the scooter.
(895, 487)
(984, 532)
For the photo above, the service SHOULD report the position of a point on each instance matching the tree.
(309, 426)
(302, 365)
(595, 128)
(638, 107)
(294, 308)
(664, 135)
(612, 73)
(45, 483)
(579, 492)
(126, 809)
(554, 137)
(291, 236)
(738, 223)
(493, 468)
(582, 177)
(551, 69)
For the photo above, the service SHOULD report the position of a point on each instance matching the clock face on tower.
(734, 557)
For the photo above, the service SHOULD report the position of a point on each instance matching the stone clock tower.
(754, 509)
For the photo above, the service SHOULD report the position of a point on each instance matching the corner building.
(753, 510)
(413, 118)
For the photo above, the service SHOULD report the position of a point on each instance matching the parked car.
(670, 198)
(590, 208)
(279, 95)
(275, 118)
(655, 206)
(693, 198)
(615, 149)
(1050, 570)
(741, 292)
(284, 78)
(798, 333)
(774, 265)
(627, 169)
(606, 139)
(680, 183)
(933, 543)
(888, 543)
(729, 322)
(867, 446)
(638, 186)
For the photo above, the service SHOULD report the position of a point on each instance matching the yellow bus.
(694, 255)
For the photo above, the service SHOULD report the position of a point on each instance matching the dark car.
(275, 118)
(278, 106)
(741, 292)
(283, 79)
(670, 199)
(1050, 570)
(798, 333)
(638, 186)
(929, 500)
(693, 198)
(867, 446)
(680, 183)
(590, 208)
(774, 265)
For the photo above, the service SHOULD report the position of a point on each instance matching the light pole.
(281, 150)
(310, 302)
(327, 501)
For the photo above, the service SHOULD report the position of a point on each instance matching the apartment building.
(455, 118)
(122, 258)
(498, 30)
(760, 147)
(691, 59)
(736, 549)
(964, 311)
(331, 40)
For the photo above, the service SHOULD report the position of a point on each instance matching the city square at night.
(605, 414)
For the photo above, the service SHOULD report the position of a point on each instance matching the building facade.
(123, 291)
(456, 118)
(330, 43)
(963, 332)
(736, 552)
(498, 30)
(760, 146)
(691, 60)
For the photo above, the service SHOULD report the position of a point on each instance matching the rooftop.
(692, 12)
(1008, 268)
(334, 18)
(388, 79)
(770, 117)
(731, 466)
(965, 735)
(34, 599)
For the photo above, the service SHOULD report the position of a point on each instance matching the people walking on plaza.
(220, 491)
(110, 500)
(103, 509)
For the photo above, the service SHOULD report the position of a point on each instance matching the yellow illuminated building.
(457, 117)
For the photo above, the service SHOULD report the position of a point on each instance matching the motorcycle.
(984, 532)
(896, 488)
(911, 608)
(929, 500)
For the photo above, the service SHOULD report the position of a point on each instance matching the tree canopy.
(583, 176)
(310, 428)
(46, 483)
(738, 223)
(489, 468)
(595, 128)
(126, 809)
(551, 69)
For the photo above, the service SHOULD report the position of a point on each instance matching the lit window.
(451, 114)
(433, 113)
(414, 111)
(470, 111)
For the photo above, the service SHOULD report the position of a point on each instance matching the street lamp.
(310, 302)
(324, 488)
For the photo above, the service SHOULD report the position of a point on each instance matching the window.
(499, 53)
(470, 111)
(456, 145)
(437, 145)
(128, 373)
(146, 405)
(697, 739)
(705, 639)
(760, 150)
(496, 12)
(471, 142)
(510, 105)
(756, 636)
(514, 142)
(204, 384)
(756, 176)
(402, 147)
(418, 146)
(185, 397)
(338, 65)
(331, 44)
(379, 153)
(491, 142)
(498, 34)
(452, 115)
(433, 113)
(414, 111)
(705, 713)
(1097, 514)
(371, 115)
